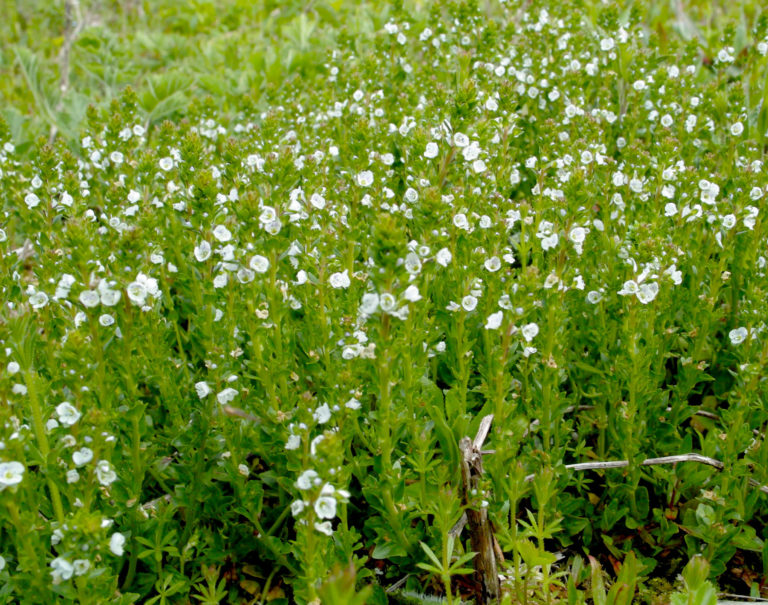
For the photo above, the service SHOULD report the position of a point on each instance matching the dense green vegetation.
(265, 264)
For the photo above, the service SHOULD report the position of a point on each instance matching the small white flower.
(737, 128)
(325, 507)
(13, 368)
(31, 200)
(443, 257)
(412, 294)
(166, 164)
(529, 331)
(61, 569)
(364, 178)
(738, 335)
(322, 414)
(352, 404)
(293, 443)
(11, 473)
(460, 139)
(369, 303)
(225, 396)
(297, 506)
(203, 251)
(647, 292)
(431, 151)
(116, 544)
(630, 287)
(67, 413)
(387, 302)
(202, 389)
(307, 479)
(81, 566)
(137, 293)
(89, 298)
(106, 320)
(38, 300)
(324, 528)
(493, 264)
(259, 263)
(221, 233)
(494, 320)
(73, 476)
(469, 303)
(460, 221)
(340, 280)
(82, 456)
(109, 297)
(104, 473)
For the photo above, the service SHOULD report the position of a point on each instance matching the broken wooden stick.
(480, 531)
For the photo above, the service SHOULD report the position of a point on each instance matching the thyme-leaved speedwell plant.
(240, 348)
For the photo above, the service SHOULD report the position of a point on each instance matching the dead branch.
(480, 531)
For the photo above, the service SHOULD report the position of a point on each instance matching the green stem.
(42, 440)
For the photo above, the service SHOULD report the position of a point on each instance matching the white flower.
(364, 178)
(324, 528)
(166, 164)
(202, 388)
(13, 368)
(68, 414)
(412, 294)
(259, 263)
(479, 166)
(31, 200)
(594, 297)
(352, 404)
(116, 543)
(293, 443)
(738, 335)
(606, 44)
(73, 476)
(340, 280)
(81, 566)
(412, 263)
(89, 298)
(38, 300)
(82, 456)
(226, 395)
(369, 303)
(137, 293)
(220, 280)
(109, 297)
(469, 303)
(630, 287)
(460, 221)
(106, 320)
(11, 473)
(529, 331)
(387, 302)
(493, 264)
(307, 479)
(2, 563)
(577, 235)
(431, 151)
(494, 320)
(104, 473)
(203, 251)
(670, 209)
(322, 414)
(737, 128)
(443, 257)
(325, 507)
(729, 220)
(61, 569)
(245, 276)
(297, 506)
(460, 139)
(647, 292)
(221, 233)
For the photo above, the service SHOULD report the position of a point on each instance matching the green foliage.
(264, 264)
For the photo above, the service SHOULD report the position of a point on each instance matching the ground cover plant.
(264, 266)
